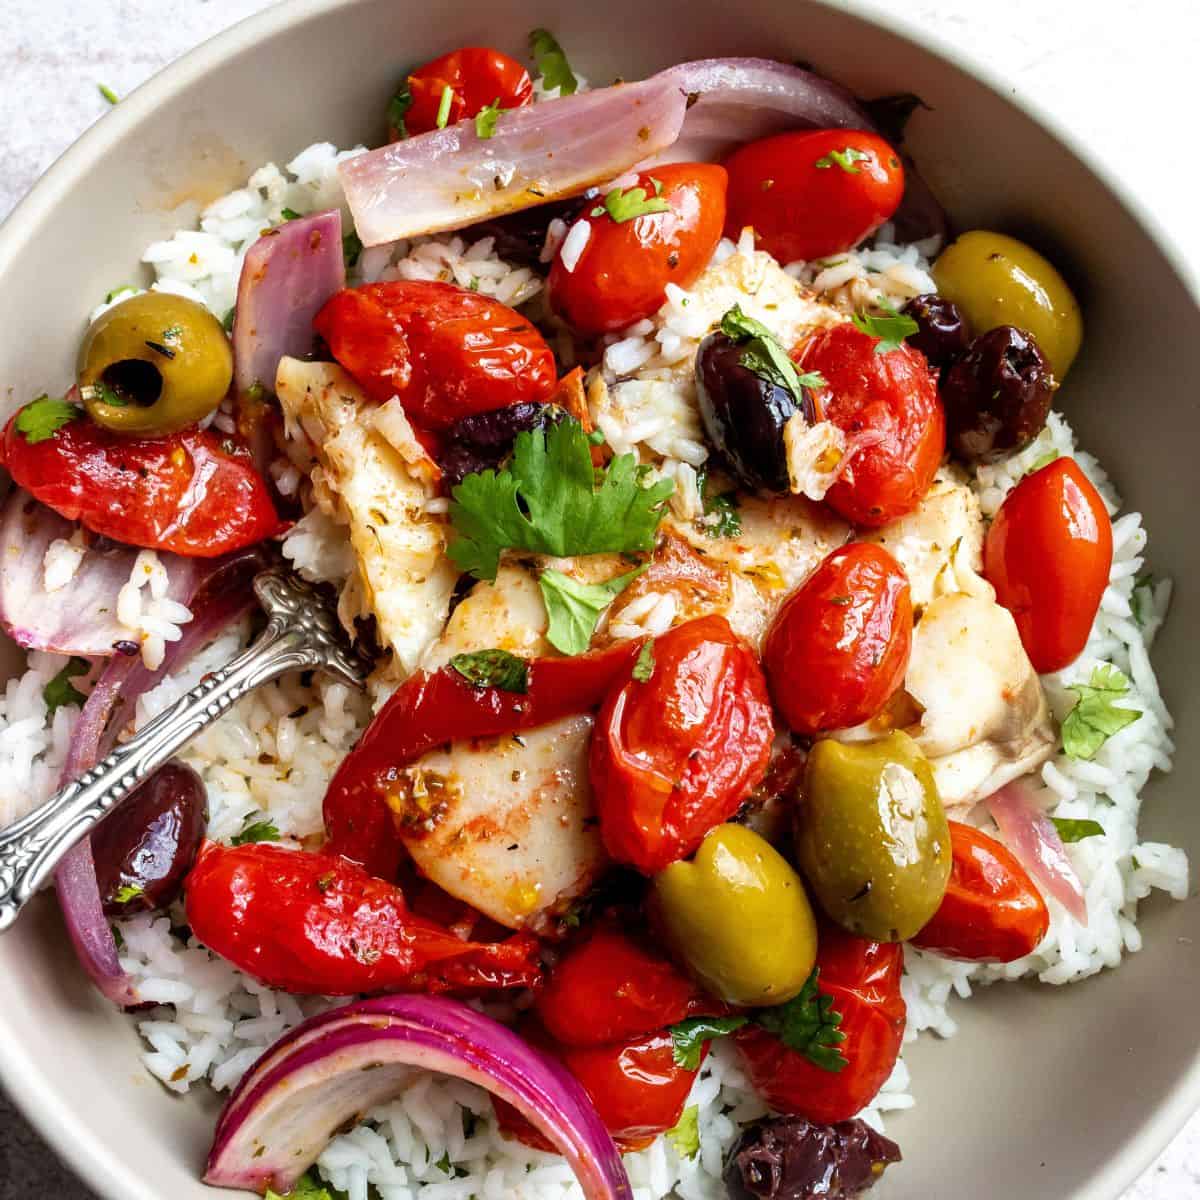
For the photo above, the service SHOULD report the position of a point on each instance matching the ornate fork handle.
(300, 635)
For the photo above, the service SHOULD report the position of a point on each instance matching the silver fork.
(302, 633)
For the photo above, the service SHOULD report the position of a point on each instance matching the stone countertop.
(1117, 73)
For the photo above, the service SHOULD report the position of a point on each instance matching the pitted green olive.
(871, 836)
(153, 364)
(738, 916)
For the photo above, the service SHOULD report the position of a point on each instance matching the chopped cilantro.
(891, 329)
(574, 608)
(657, 185)
(808, 1023)
(1071, 830)
(443, 112)
(397, 110)
(352, 249)
(625, 205)
(763, 355)
(1096, 716)
(308, 1187)
(1043, 460)
(1143, 594)
(486, 118)
(721, 517)
(552, 63)
(551, 500)
(108, 93)
(227, 320)
(60, 691)
(688, 1037)
(843, 158)
(130, 891)
(443, 1163)
(43, 418)
(120, 291)
(493, 669)
(685, 1136)
(643, 669)
(289, 214)
(262, 830)
(473, 285)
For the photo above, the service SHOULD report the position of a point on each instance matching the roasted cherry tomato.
(674, 756)
(192, 493)
(813, 193)
(991, 911)
(476, 76)
(839, 646)
(315, 924)
(888, 407)
(1048, 554)
(430, 709)
(622, 272)
(445, 351)
(863, 980)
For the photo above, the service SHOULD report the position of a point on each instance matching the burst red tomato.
(888, 406)
(863, 979)
(839, 646)
(1048, 554)
(192, 492)
(673, 757)
(445, 351)
(476, 76)
(622, 273)
(813, 193)
(315, 924)
(991, 911)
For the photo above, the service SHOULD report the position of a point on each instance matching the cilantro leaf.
(1096, 716)
(625, 205)
(685, 1136)
(352, 249)
(227, 320)
(643, 669)
(443, 112)
(721, 516)
(891, 330)
(443, 1163)
(688, 1037)
(808, 1023)
(308, 1187)
(42, 418)
(493, 669)
(763, 355)
(486, 118)
(1071, 830)
(60, 691)
(108, 93)
(552, 63)
(1043, 460)
(397, 110)
(551, 500)
(119, 291)
(574, 608)
(845, 159)
(1143, 594)
(262, 830)
(289, 214)
(130, 891)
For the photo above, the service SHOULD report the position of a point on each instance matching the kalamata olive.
(791, 1158)
(145, 847)
(485, 439)
(942, 334)
(997, 395)
(744, 414)
(520, 236)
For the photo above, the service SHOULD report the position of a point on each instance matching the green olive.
(738, 916)
(154, 364)
(871, 836)
(996, 280)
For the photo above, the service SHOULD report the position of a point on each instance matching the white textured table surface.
(1120, 74)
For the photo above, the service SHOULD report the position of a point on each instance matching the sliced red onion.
(287, 276)
(337, 1065)
(1031, 836)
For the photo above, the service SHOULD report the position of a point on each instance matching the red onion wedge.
(1031, 836)
(337, 1065)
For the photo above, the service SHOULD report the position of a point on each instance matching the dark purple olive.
(145, 847)
(791, 1158)
(520, 236)
(744, 414)
(484, 440)
(997, 395)
(942, 334)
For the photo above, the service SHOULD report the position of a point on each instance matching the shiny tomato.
(673, 757)
(315, 924)
(1048, 554)
(839, 646)
(476, 76)
(193, 493)
(888, 407)
(991, 911)
(863, 979)
(813, 193)
(622, 273)
(445, 351)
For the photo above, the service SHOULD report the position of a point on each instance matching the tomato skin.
(892, 401)
(1048, 553)
(477, 75)
(864, 980)
(186, 492)
(839, 646)
(801, 211)
(673, 757)
(623, 272)
(445, 351)
(991, 912)
(315, 924)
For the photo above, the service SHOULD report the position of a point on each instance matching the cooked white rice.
(273, 756)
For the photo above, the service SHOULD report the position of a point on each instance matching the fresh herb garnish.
(493, 669)
(397, 110)
(352, 249)
(108, 93)
(308, 1187)
(289, 214)
(42, 418)
(1043, 460)
(685, 1136)
(227, 320)
(1096, 716)
(486, 118)
(763, 355)
(262, 830)
(551, 500)
(643, 669)
(130, 891)
(843, 158)
(552, 63)
(721, 516)
(891, 329)
(60, 691)
(1072, 830)
(443, 112)
(808, 1023)
(688, 1037)
(120, 291)
(625, 205)
(1143, 594)
(574, 608)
